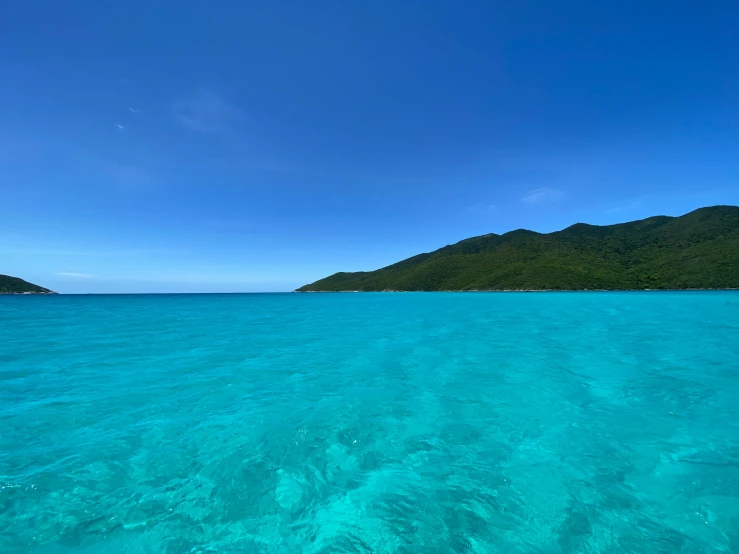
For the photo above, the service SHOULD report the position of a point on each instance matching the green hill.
(14, 285)
(696, 250)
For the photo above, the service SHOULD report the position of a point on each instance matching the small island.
(699, 250)
(16, 285)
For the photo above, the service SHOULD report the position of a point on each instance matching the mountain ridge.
(698, 250)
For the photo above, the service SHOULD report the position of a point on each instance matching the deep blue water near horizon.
(319, 423)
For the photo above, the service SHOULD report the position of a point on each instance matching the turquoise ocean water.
(319, 423)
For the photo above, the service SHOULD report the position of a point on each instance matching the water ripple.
(384, 423)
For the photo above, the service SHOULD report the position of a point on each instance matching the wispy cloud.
(75, 275)
(212, 278)
(543, 195)
(628, 205)
(206, 112)
(133, 110)
(120, 127)
(225, 225)
(63, 252)
(482, 207)
(49, 252)
(129, 177)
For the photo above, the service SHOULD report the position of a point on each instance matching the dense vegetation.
(14, 285)
(697, 250)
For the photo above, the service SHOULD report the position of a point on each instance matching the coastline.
(26, 293)
(524, 290)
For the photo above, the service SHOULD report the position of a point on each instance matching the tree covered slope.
(14, 285)
(696, 250)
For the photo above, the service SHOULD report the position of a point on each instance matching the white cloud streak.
(482, 207)
(628, 205)
(130, 177)
(206, 112)
(75, 275)
(542, 195)
(29, 251)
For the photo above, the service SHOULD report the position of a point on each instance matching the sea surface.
(387, 423)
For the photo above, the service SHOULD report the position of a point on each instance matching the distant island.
(14, 285)
(699, 250)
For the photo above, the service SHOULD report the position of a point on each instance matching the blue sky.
(235, 146)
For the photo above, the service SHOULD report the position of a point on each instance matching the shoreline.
(26, 293)
(523, 290)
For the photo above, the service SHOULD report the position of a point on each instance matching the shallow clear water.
(573, 422)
